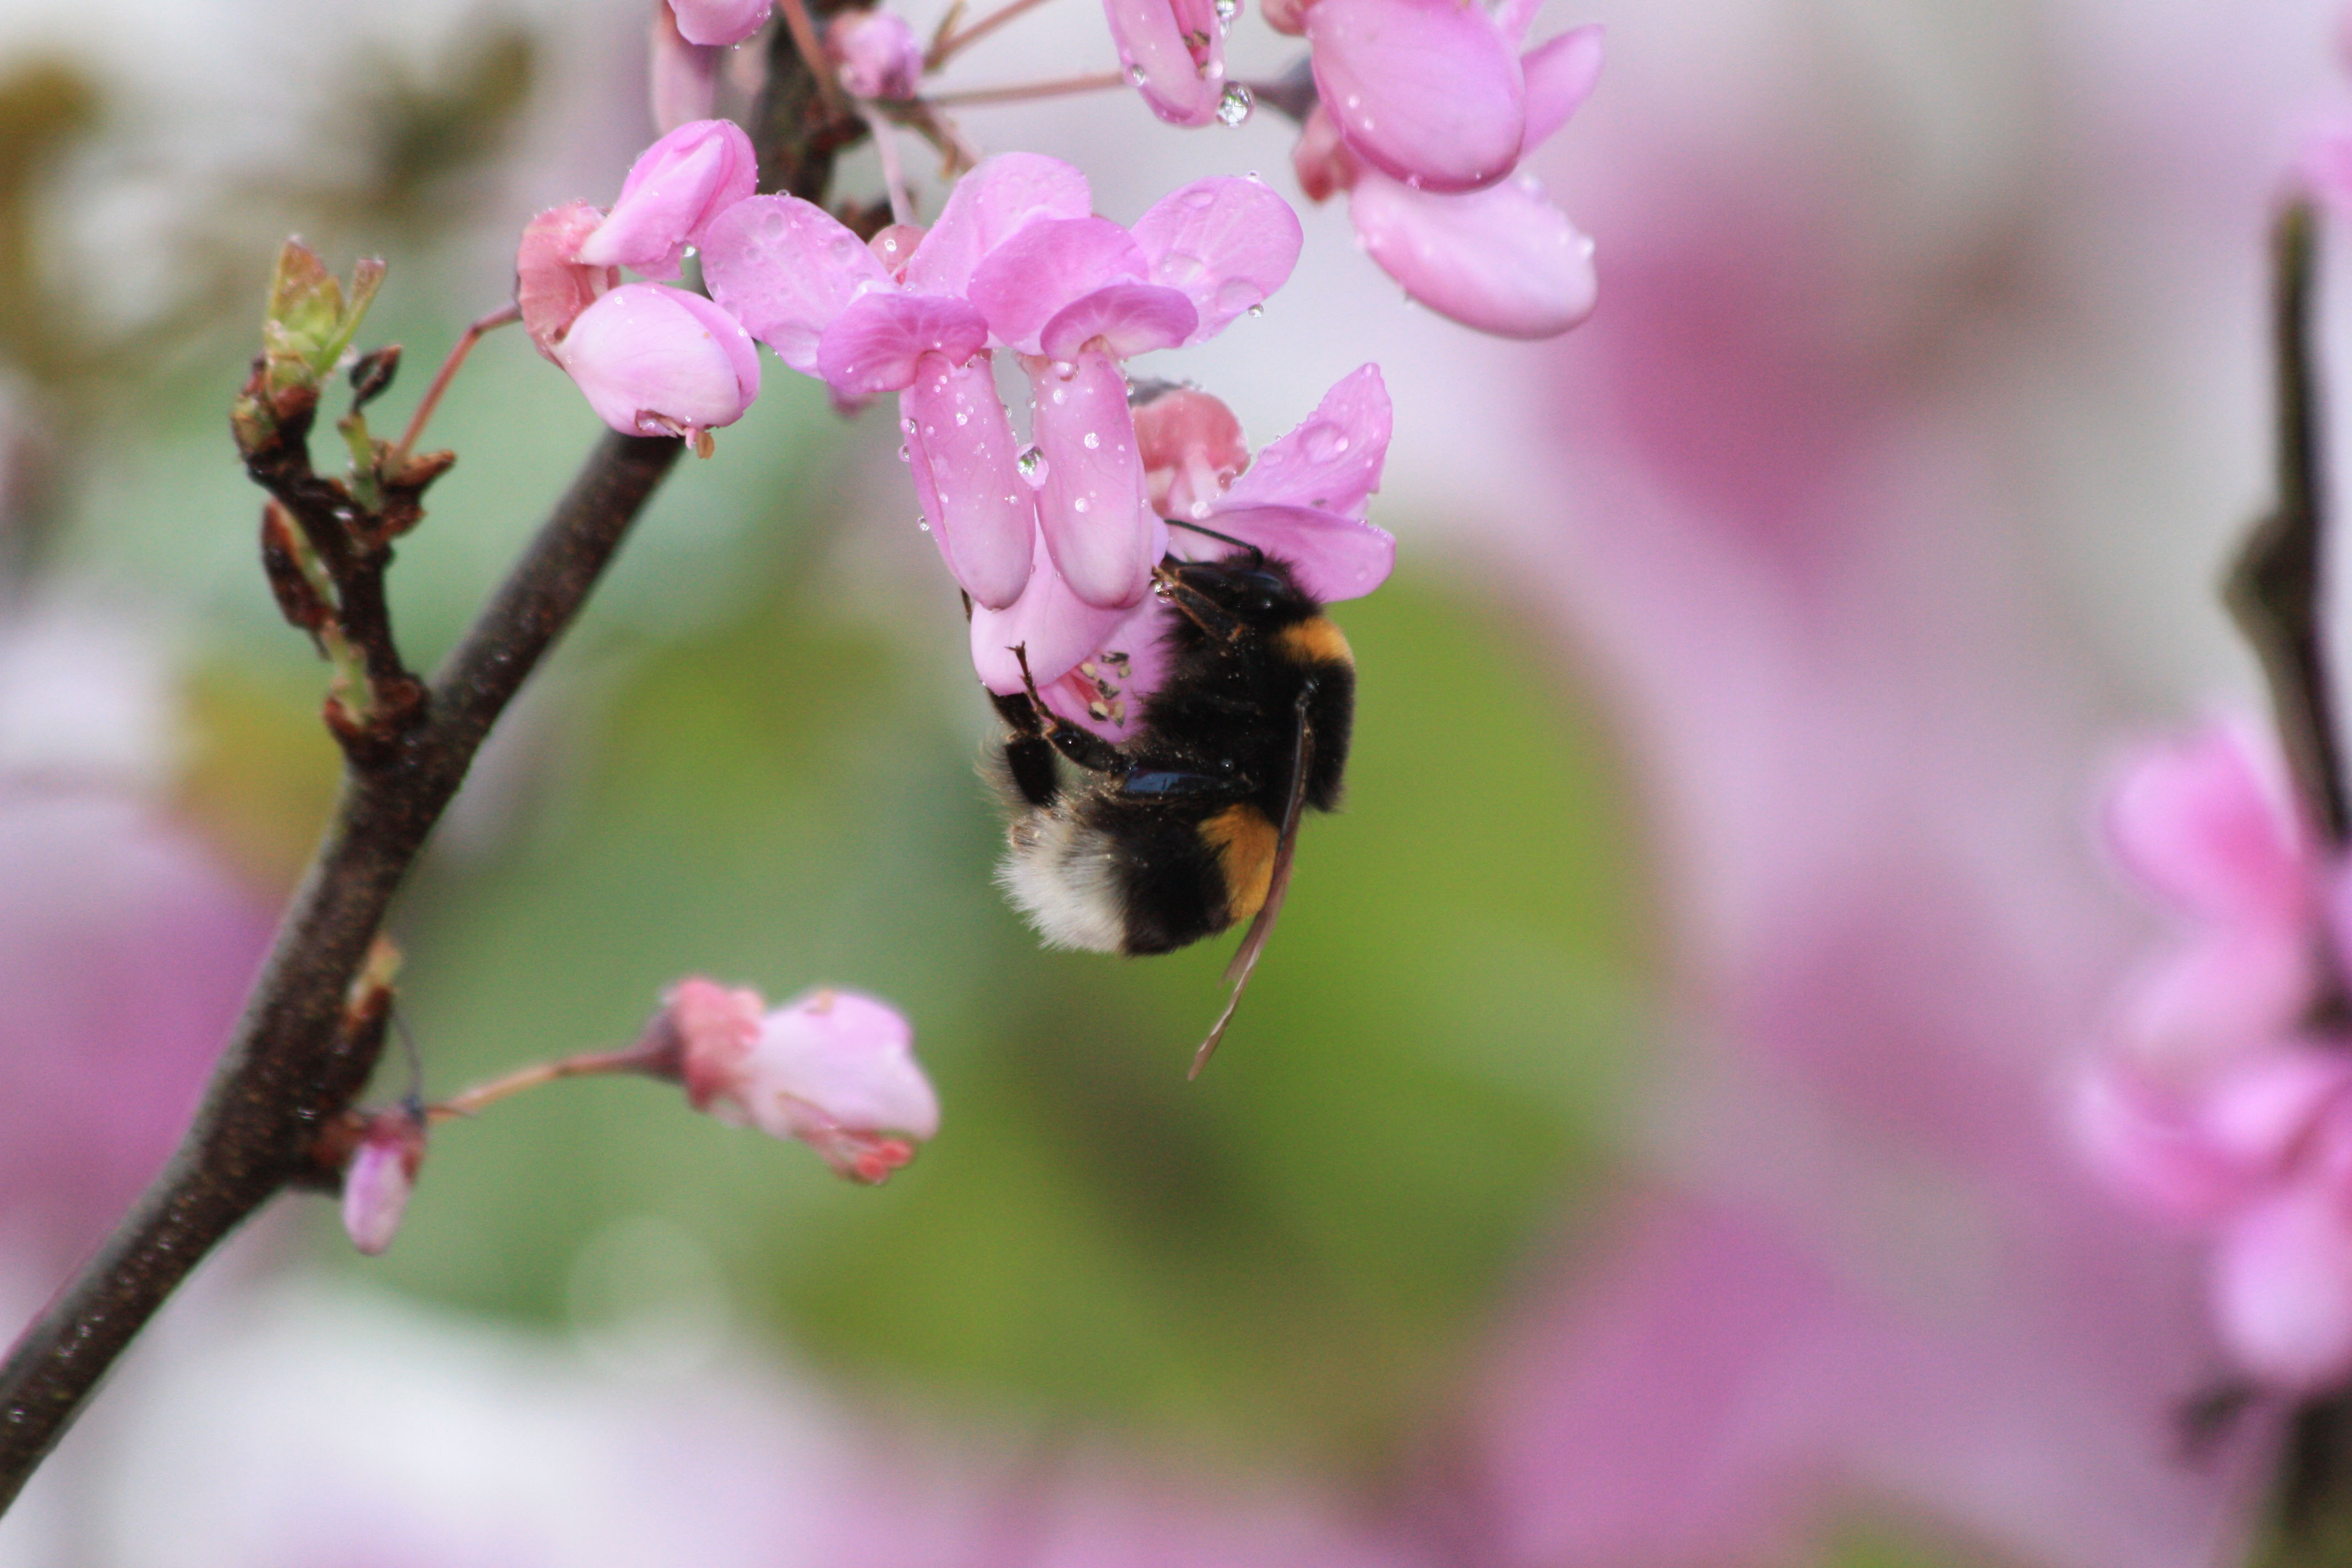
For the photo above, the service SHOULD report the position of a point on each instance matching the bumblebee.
(1186, 828)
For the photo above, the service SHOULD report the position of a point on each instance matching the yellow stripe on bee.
(1315, 641)
(1245, 842)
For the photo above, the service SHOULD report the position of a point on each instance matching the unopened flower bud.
(876, 54)
(380, 1176)
(657, 361)
(834, 1069)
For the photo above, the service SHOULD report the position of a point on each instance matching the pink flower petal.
(988, 206)
(550, 289)
(1192, 449)
(850, 1058)
(2282, 1290)
(1503, 261)
(2230, 989)
(983, 515)
(1024, 281)
(1560, 75)
(684, 77)
(1425, 90)
(2203, 823)
(786, 270)
(673, 190)
(1333, 557)
(1058, 629)
(1174, 52)
(2149, 1144)
(1321, 159)
(1331, 462)
(719, 22)
(873, 345)
(877, 52)
(1109, 688)
(1226, 243)
(1093, 509)
(1122, 320)
(657, 361)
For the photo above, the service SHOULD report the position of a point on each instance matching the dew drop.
(923, 525)
(962, 419)
(1321, 442)
(1094, 442)
(1234, 104)
(904, 456)
(1032, 464)
(1079, 505)
(1060, 397)
(1135, 77)
(1257, 310)
(1226, 11)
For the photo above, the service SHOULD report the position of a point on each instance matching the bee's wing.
(1277, 883)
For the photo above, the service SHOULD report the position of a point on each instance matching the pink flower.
(1017, 260)
(653, 361)
(1303, 501)
(834, 1069)
(673, 191)
(2216, 1109)
(1502, 259)
(719, 22)
(876, 53)
(1175, 53)
(380, 1177)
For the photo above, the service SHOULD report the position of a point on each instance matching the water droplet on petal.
(1079, 505)
(1094, 442)
(962, 419)
(1234, 104)
(904, 456)
(1257, 310)
(922, 524)
(1032, 464)
(1226, 11)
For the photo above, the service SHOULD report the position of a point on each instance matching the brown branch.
(304, 1048)
(2274, 588)
(288, 1067)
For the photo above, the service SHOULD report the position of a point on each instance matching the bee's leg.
(1081, 746)
(1028, 756)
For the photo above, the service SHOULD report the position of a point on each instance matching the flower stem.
(1054, 89)
(947, 46)
(448, 371)
(482, 1096)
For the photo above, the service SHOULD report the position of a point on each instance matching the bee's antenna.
(1255, 553)
(1277, 883)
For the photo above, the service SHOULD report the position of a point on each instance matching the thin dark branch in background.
(306, 1045)
(2274, 588)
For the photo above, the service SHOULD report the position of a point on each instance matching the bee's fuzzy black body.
(1177, 834)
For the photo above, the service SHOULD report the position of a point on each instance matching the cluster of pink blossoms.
(1053, 541)
(2225, 1101)
(1425, 110)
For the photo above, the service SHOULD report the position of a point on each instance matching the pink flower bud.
(719, 21)
(381, 1175)
(653, 361)
(673, 190)
(2283, 1289)
(1321, 159)
(876, 54)
(834, 1069)
(550, 288)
